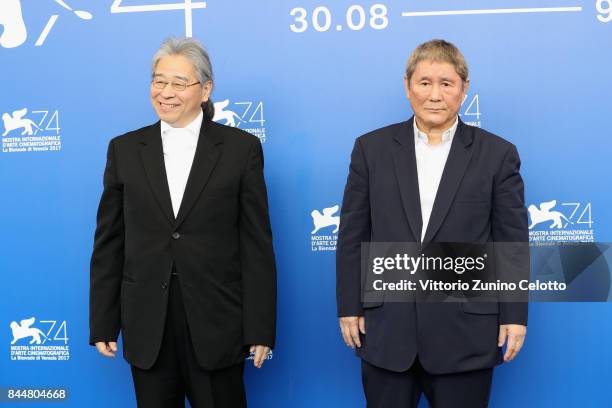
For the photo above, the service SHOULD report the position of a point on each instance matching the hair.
(439, 51)
(191, 49)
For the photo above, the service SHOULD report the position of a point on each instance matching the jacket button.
(176, 235)
(164, 285)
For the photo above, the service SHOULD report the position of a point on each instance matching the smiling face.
(178, 108)
(436, 93)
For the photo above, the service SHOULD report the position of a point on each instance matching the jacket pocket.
(483, 308)
(128, 279)
(371, 305)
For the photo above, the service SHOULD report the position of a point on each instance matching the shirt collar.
(193, 127)
(447, 135)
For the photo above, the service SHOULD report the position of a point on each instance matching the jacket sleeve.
(510, 233)
(354, 229)
(256, 254)
(107, 258)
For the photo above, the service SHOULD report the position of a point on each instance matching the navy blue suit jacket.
(480, 199)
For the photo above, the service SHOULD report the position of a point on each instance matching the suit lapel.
(208, 151)
(456, 164)
(404, 159)
(152, 156)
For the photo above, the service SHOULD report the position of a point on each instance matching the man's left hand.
(515, 334)
(261, 352)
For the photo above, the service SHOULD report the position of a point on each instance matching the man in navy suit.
(428, 180)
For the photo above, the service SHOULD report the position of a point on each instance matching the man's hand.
(350, 327)
(107, 349)
(261, 352)
(515, 334)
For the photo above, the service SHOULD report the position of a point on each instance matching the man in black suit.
(183, 263)
(428, 180)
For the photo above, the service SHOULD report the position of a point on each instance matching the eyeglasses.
(177, 86)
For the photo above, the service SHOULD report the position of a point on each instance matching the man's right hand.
(350, 327)
(107, 348)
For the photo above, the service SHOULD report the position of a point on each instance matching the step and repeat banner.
(306, 77)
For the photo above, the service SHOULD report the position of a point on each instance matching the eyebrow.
(443, 79)
(182, 78)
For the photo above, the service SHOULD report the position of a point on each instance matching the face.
(178, 108)
(436, 93)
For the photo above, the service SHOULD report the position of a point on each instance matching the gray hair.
(191, 49)
(439, 51)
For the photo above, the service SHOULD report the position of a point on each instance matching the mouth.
(435, 110)
(167, 106)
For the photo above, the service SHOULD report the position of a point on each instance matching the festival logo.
(245, 115)
(38, 131)
(15, 32)
(470, 110)
(47, 340)
(565, 222)
(269, 356)
(123, 6)
(323, 236)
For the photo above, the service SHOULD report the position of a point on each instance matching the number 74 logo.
(473, 107)
(187, 5)
(15, 31)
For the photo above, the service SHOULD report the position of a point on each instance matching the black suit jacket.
(220, 243)
(480, 199)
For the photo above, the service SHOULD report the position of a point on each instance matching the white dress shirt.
(430, 161)
(179, 146)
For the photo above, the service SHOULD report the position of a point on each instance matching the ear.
(206, 89)
(407, 86)
(466, 85)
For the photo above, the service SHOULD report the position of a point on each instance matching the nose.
(436, 93)
(167, 91)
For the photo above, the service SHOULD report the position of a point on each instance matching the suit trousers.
(176, 373)
(389, 389)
